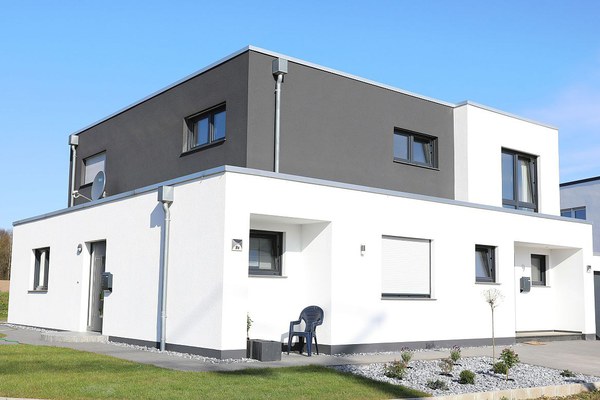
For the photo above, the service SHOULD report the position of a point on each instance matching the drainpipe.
(165, 196)
(279, 69)
(74, 142)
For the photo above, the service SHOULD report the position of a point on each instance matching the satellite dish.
(98, 185)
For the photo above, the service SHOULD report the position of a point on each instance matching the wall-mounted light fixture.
(362, 249)
(79, 249)
(589, 268)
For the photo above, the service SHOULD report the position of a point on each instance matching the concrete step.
(547, 336)
(74, 337)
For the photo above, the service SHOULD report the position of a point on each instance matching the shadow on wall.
(4, 285)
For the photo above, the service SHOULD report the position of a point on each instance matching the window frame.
(41, 269)
(85, 182)
(277, 244)
(543, 270)
(411, 136)
(491, 257)
(191, 131)
(515, 203)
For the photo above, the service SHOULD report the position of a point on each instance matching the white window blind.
(92, 166)
(406, 267)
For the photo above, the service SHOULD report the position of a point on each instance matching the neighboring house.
(390, 210)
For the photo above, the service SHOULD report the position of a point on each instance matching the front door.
(96, 301)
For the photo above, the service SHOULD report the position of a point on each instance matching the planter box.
(264, 350)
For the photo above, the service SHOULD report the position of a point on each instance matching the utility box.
(525, 284)
(106, 280)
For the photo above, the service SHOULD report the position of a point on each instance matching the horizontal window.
(578, 212)
(406, 267)
(415, 148)
(206, 128)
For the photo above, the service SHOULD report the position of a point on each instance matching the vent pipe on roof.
(279, 69)
(165, 196)
(74, 142)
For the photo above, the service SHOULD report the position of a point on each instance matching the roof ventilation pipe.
(74, 142)
(280, 68)
(165, 196)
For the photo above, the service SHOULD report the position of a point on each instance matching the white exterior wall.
(585, 194)
(210, 293)
(479, 136)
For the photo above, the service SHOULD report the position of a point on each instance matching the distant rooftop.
(571, 183)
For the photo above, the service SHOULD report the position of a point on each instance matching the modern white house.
(391, 211)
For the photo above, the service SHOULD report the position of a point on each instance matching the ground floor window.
(406, 267)
(266, 249)
(485, 263)
(538, 269)
(41, 269)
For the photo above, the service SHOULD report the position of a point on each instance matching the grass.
(58, 373)
(3, 306)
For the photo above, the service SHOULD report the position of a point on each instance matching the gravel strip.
(420, 372)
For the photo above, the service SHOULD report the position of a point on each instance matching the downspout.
(279, 69)
(165, 196)
(74, 142)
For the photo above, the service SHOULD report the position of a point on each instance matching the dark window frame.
(277, 249)
(191, 128)
(515, 203)
(491, 257)
(38, 286)
(543, 269)
(411, 136)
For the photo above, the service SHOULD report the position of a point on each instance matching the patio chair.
(312, 317)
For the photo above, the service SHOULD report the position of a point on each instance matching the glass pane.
(93, 165)
(253, 252)
(421, 151)
(401, 146)
(565, 213)
(265, 254)
(580, 213)
(507, 176)
(219, 126)
(525, 183)
(482, 267)
(537, 269)
(201, 128)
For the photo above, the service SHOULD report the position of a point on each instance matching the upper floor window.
(519, 178)
(206, 128)
(578, 212)
(91, 166)
(415, 148)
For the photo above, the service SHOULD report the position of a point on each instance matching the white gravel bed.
(421, 371)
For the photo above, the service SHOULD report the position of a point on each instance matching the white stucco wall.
(479, 136)
(210, 292)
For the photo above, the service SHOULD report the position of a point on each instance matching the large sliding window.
(519, 181)
(406, 267)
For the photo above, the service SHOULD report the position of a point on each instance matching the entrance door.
(597, 301)
(96, 301)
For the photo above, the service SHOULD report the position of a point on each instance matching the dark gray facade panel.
(144, 144)
(341, 129)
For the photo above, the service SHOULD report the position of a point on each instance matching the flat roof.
(307, 64)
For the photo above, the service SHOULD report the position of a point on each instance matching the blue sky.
(67, 64)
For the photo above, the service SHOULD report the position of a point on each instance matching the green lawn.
(58, 373)
(3, 306)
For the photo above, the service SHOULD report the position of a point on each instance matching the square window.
(406, 267)
(538, 269)
(519, 186)
(41, 269)
(91, 166)
(205, 128)
(265, 253)
(485, 263)
(415, 148)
